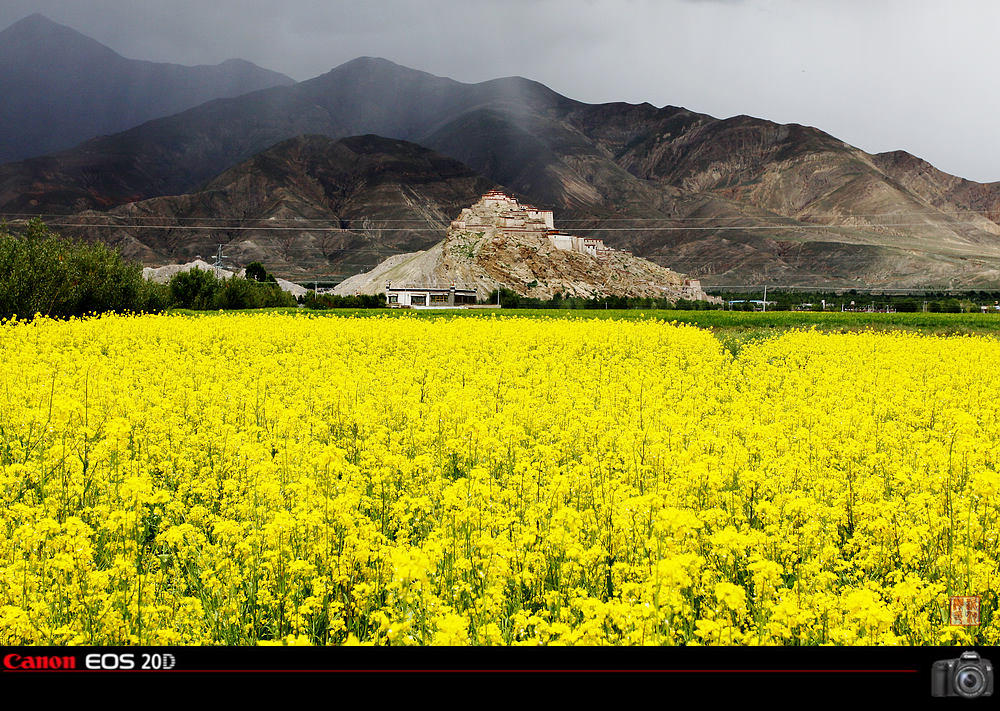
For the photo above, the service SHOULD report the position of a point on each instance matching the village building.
(584, 245)
(428, 297)
(499, 210)
(691, 288)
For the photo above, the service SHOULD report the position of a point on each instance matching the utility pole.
(765, 297)
(219, 256)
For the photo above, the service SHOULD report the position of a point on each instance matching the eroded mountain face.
(60, 87)
(732, 201)
(501, 243)
(303, 208)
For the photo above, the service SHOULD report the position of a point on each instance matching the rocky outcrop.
(733, 201)
(303, 208)
(498, 243)
(163, 274)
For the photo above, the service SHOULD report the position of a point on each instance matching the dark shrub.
(331, 301)
(194, 289)
(257, 272)
(40, 272)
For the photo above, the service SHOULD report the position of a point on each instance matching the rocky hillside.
(163, 275)
(303, 208)
(60, 87)
(733, 201)
(484, 252)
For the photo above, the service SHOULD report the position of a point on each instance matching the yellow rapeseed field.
(245, 479)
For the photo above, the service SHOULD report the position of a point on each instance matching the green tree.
(41, 272)
(257, 272)
(194, 289)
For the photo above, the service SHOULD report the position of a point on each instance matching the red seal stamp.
(965, 610)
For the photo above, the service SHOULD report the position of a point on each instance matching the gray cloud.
(880, 74)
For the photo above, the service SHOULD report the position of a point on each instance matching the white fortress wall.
(562, 241)
(543, 215)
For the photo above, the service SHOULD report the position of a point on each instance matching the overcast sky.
(918, 75)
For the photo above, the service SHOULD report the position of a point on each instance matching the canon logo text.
(16, 661)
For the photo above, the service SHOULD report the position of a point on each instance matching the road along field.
(239, 479)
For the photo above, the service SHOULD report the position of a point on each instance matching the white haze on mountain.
(881, 74)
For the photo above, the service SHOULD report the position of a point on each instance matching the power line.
(720, 228)
(380, 222)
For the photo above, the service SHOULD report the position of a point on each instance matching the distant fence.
(840, 290)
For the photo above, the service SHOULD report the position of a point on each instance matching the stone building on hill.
(500, 243)
(499, 210)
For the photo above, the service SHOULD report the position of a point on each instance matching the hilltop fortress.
(497, 209)
(500, 243)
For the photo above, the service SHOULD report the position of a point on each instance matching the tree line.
(44, 273)
(509, 299)
(853, 300)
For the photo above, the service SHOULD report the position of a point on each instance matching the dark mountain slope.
(939, 188)
(179, 153)
(60, 87)
(733, 200)
(301, 207)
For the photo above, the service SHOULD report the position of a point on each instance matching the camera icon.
(969, 676)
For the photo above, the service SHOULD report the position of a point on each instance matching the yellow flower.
(249, 478)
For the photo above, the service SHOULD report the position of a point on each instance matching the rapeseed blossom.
(266, 479)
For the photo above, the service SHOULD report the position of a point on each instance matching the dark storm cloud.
(880, 74)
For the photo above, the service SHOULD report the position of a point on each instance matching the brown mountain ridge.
(60, 87)
(732, 201)
(302, 207)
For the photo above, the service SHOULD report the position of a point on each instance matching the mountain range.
(306, 202)
(498, 243)
(60, 87)
(733, 201)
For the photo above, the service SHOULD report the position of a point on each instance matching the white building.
(428, 297)
(584, 245)
(544, 215)
(497, 209)
(503, 212)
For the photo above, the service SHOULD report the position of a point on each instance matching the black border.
(901, 674)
